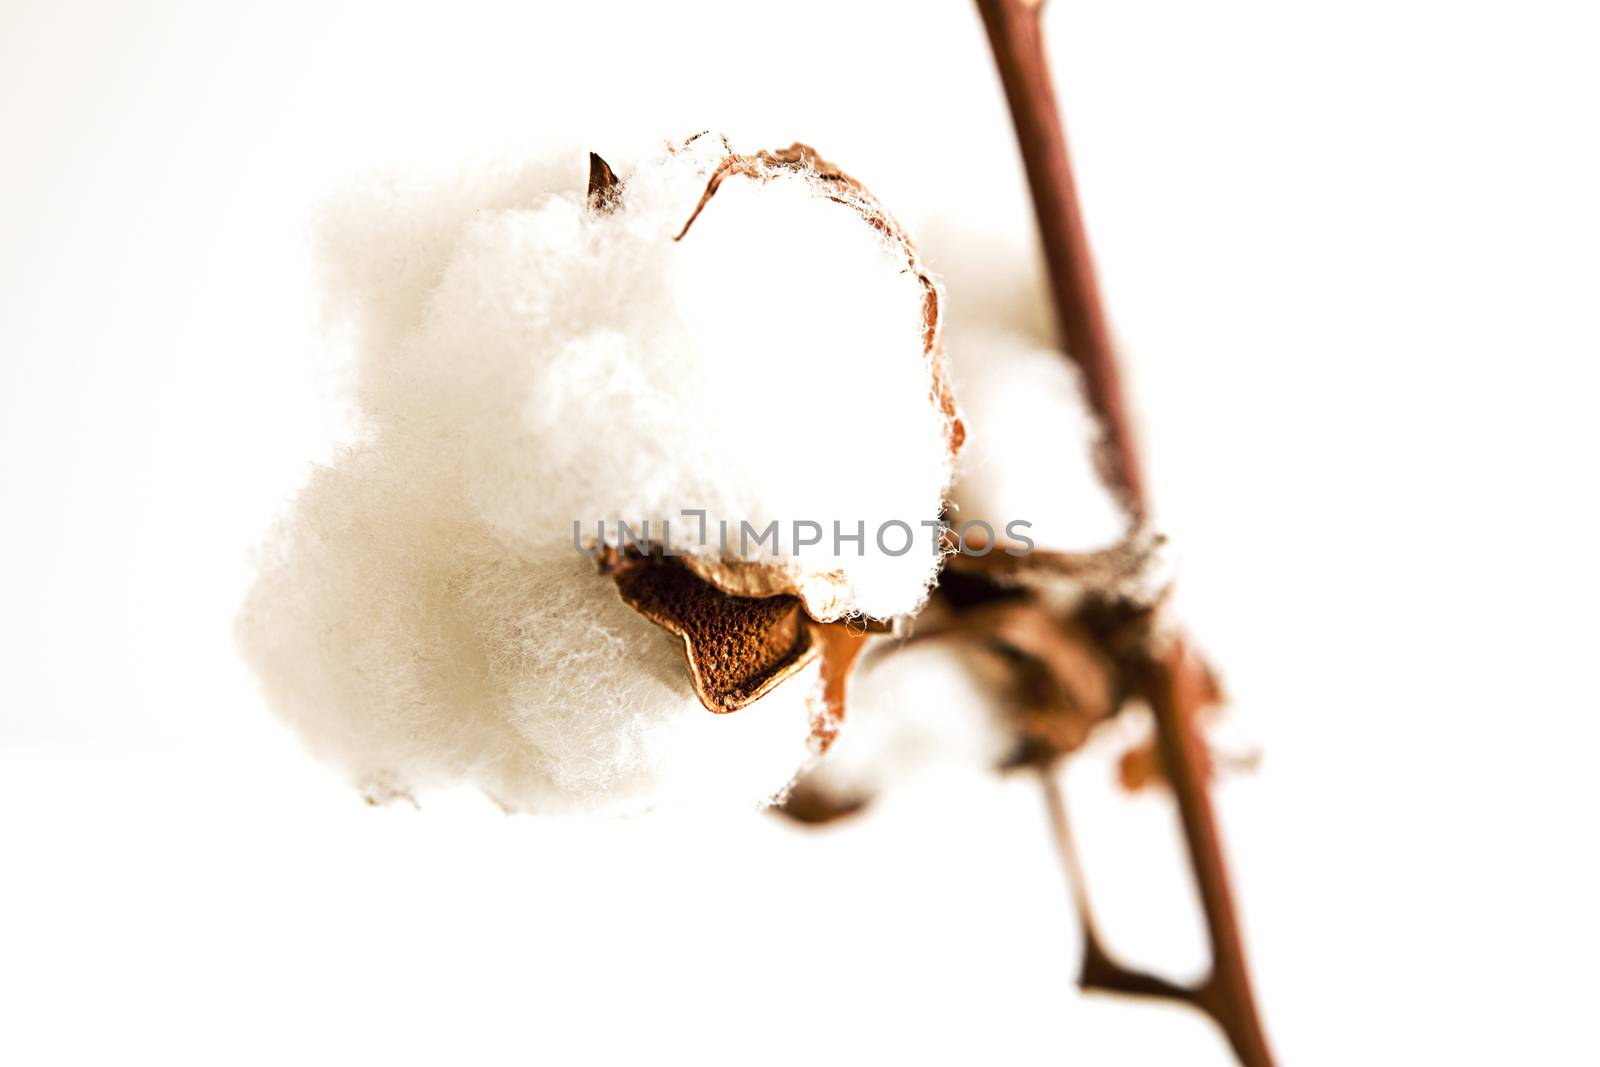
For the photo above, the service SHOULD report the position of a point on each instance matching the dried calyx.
(1070, 641)
(739, 648)
(1076, 628)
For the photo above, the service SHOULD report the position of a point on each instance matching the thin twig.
(1099, 970)
(1175, 682)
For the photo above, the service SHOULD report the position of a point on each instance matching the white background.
(1352, 251)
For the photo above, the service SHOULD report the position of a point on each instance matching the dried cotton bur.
(699, 343)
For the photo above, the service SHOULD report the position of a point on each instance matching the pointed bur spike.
(604, 185)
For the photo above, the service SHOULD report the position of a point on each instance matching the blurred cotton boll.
(921, 710)
(1010, 388)
(1030, 434)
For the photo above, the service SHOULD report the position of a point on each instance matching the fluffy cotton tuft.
(583, 366)
(1031, 441)
(919, 710)
(525, 361)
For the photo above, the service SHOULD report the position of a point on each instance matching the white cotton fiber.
(406, 644)
(386, 243)
(1030, 434)
(915, 710)
(523, 361)
(575, 365)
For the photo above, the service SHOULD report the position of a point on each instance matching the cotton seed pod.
(750, 337)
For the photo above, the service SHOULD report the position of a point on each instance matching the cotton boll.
(527, 358)
(404, 643)
(921, 709)
(576, 365)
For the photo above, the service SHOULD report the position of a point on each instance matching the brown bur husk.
(747, 626)
(739, 648)
(1079, 628)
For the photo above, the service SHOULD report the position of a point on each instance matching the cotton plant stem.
(1014, 34)
(1175, 685)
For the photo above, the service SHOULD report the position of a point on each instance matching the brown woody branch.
(1014, 35)
(1174, 682)
(1174, 685)
(1177, 688)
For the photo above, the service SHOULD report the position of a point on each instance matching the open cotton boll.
(533, 357)
(1031, 436)
(929, 708)
(405, 644)
(577, 365)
